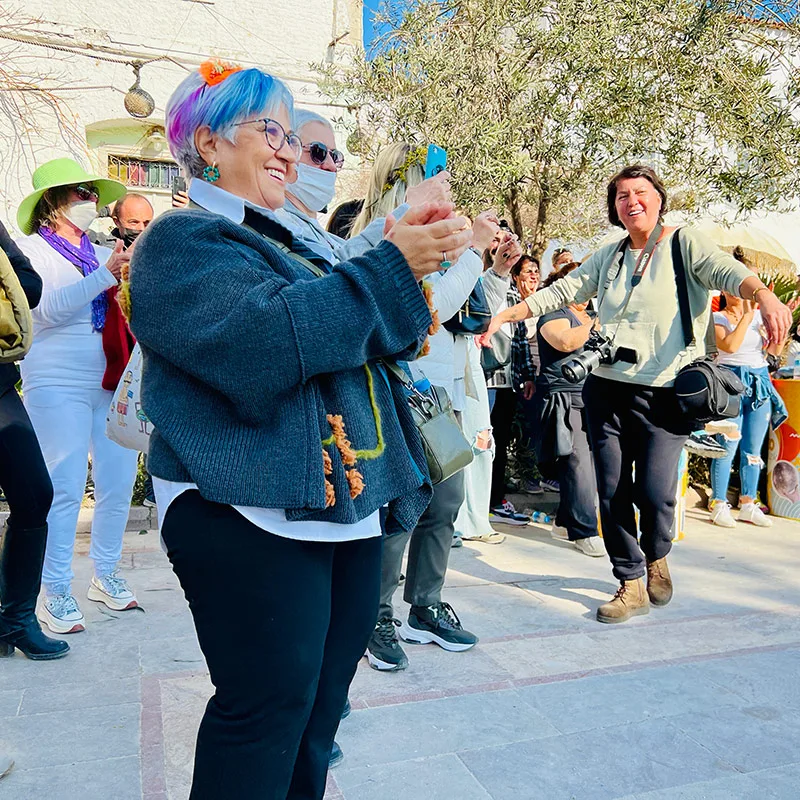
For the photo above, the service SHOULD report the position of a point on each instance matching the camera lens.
(573, 371)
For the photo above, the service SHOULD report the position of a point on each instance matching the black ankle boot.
(21, 559)
(33, 643)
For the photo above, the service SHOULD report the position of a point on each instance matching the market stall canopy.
(761, 249)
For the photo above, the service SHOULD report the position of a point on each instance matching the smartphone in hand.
(178, 185)
(435, 161)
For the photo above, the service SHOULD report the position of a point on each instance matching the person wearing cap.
(62, 379)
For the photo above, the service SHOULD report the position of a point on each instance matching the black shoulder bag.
(474, 316)
(705, 390)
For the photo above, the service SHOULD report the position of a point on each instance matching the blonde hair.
(397, 167)
(51, 206)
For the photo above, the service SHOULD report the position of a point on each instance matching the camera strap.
(638, 271)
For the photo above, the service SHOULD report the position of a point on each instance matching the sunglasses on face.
(276, 136)
(319, 152)
(85, 192)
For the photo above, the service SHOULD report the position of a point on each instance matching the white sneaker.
(559, 533)
(590, 546)
(721, 515)
(61, 613)
(113, 591)
(750, 512)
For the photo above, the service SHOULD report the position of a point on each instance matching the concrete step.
(140, 518)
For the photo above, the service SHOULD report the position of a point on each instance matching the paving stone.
(171, 655)
(628, 759)
(606, 701)
(41, 740)
(751, 738)
(414, 730)
(736, 787)
(110, 779)
(10, 700)
(780, 782)
(438, 778)
(80, 696)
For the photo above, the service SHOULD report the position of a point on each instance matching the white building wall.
(282, 36)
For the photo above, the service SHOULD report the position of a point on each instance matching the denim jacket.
(759, 388)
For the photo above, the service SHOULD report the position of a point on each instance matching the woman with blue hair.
(280, 436)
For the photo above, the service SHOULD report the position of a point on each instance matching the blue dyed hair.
(241, 96)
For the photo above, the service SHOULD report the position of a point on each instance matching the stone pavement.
(697, 700)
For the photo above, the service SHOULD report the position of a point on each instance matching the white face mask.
(82, 214)
(314, 187)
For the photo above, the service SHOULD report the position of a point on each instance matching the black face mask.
(129, 236)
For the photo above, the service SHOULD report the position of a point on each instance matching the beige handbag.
(16, 325)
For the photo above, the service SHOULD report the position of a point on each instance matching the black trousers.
(576, 509)
(633, 425)
(502, 418)
(29, 492)
(428, 552)
(23, 473)
(282, 624)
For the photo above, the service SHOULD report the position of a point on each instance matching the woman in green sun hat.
(62, 383)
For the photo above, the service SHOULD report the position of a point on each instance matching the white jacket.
(447, 364)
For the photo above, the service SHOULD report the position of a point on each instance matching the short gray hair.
(303, 116)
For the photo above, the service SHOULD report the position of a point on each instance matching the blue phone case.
(435, 161)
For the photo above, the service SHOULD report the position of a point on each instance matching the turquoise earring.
(211, 173)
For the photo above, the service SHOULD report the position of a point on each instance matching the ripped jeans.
(753, 424)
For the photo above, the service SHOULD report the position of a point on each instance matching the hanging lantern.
(138, 103)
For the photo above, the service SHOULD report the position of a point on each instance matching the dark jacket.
(32, 286)
(247, 353)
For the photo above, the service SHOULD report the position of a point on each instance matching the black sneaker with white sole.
(437, 624)
(705, 445)
(383, 650)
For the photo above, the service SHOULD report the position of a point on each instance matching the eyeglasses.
(276, 136)
(319, 152)
(85, 192)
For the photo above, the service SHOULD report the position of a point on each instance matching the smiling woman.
(632, 413)
(279, 436)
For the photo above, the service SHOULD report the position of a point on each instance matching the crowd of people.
(282, 362)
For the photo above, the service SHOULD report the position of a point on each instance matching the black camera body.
(597, 350)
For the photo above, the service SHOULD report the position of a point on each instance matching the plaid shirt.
(522, 366)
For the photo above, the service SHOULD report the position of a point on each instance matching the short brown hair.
(520, 263)
(634, 171)
(51, 206)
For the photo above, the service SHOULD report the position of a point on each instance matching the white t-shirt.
(751, 352)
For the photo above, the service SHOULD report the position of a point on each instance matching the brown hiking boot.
(629, 601)
(659, 583)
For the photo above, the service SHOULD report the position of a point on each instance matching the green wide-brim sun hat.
(64, 172)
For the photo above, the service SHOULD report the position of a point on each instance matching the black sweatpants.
(576, 508)
(502, 419)
(23, 473)
(642, 426)
(282, 624)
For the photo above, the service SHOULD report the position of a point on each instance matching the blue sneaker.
(550, 486)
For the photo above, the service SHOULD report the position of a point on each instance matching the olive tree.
(538, 102)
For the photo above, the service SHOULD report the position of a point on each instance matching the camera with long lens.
(597, 350)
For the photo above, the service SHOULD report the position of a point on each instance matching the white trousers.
(473, 516)
(70, 424)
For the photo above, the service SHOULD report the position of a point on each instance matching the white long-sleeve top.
(447, 364)
(66, 350)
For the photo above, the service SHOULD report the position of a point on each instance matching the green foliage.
(539, 102)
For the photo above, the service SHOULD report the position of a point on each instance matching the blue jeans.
(753, 423)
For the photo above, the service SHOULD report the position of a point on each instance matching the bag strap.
(679, 268)
(687, 322)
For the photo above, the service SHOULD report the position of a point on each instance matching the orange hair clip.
(215, 71)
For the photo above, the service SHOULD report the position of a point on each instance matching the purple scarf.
(85, 259)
